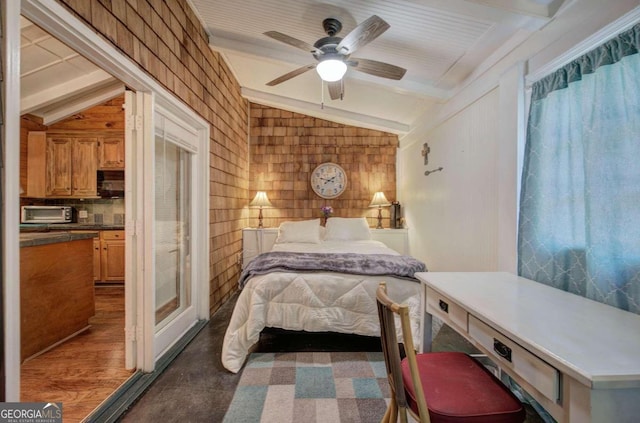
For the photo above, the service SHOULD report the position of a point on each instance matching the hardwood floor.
(82, 372)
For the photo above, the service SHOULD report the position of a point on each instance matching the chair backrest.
(387, 310)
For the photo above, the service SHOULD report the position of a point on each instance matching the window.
(579, 227)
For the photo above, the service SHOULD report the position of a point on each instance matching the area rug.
(311, 387)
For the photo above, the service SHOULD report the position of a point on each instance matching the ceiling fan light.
(331, 70)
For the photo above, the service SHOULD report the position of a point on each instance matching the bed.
(319, 279)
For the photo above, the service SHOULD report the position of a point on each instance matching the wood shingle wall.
(166, 39)
(287, 146)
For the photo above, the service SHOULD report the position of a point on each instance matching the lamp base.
(379, 218)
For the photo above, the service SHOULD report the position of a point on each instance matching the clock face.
(328, 180)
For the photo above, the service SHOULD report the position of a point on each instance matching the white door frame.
(137, 109)
(60, 23)
(11, 200)
(195, 141)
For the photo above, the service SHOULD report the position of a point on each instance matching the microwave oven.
(46, 214)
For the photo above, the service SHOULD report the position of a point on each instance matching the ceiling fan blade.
(284, 38)
(291, 74)
(336, 90)
(381, 69)
(362, 34)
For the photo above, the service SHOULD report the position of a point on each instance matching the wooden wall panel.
(166, 39)
(287, 146)
(107, 116)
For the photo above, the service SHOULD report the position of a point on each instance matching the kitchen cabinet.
(57, 166)
(56, 290)
(97, 252)
(84, 166)
(62, 166)
(108, 256)
(111, 256)
(111, 152)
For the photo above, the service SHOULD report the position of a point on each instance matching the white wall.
(452, 214)
(465, 217)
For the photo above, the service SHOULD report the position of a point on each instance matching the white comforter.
(313, 302)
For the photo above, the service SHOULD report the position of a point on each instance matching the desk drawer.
(509, 354)
(446, 310)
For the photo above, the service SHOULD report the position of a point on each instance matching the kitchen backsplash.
(99, 211)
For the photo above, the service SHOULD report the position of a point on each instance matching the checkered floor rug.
(311, 387)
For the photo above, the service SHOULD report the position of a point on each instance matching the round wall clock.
(328, 180)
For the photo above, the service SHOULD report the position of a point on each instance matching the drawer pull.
(502, 350)
(443, 306)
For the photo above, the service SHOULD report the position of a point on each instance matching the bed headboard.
(256, 241)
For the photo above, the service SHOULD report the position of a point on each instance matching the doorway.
(68, 102)
(140, 299)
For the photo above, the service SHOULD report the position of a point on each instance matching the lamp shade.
(331, 70)
(379, 200)
(260, 200)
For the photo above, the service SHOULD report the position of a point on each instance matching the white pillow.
(347, 229)
(300, 231)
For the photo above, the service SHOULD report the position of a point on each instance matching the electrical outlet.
(83, 214)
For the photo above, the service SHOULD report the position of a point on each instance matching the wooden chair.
(439, 386)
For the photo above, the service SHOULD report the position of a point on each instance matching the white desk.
(578, 358)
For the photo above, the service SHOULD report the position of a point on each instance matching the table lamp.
(260, 200)
(379, 201)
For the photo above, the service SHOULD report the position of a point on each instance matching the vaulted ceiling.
(441, 44)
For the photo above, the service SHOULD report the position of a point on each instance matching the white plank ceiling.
(440, 43)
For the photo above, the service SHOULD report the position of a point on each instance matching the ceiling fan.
(334, 54)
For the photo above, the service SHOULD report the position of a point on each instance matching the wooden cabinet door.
(36, 164)
(97, 259)
(58, 166)
(112, 255)
(111, 151)
(84, 167)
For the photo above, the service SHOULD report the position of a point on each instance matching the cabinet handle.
(502, 350)
(443, 306)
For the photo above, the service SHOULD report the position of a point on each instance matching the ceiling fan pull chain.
(322, 94)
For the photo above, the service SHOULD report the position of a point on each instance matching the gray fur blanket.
(403, 267)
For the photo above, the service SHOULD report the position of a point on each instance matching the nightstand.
(257, 241)
(396, 239)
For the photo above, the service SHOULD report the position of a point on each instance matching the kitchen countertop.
(44, 227)
(32, 239)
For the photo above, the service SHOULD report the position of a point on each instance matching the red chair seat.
(458, 388)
